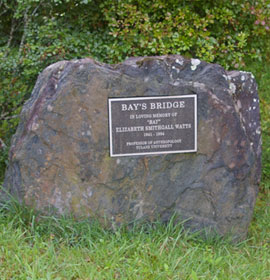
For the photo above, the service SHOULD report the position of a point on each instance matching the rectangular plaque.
(153, 125)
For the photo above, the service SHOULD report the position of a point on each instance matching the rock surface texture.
(59, 158)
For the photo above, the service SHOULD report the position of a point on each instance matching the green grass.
(40, 247)
(61, 248)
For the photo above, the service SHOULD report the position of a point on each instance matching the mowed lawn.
(34, 247)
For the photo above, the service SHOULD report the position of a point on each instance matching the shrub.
(216, 31)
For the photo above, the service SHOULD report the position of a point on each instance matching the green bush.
(34, 34)
(216, 31)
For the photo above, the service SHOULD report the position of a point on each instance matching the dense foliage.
(36, 33)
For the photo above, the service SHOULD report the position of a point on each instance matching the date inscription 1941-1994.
(153, 125)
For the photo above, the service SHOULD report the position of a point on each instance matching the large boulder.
(59, 157)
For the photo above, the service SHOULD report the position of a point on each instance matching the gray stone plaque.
(153, 125)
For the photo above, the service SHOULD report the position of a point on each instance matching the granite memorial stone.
(141, 140)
